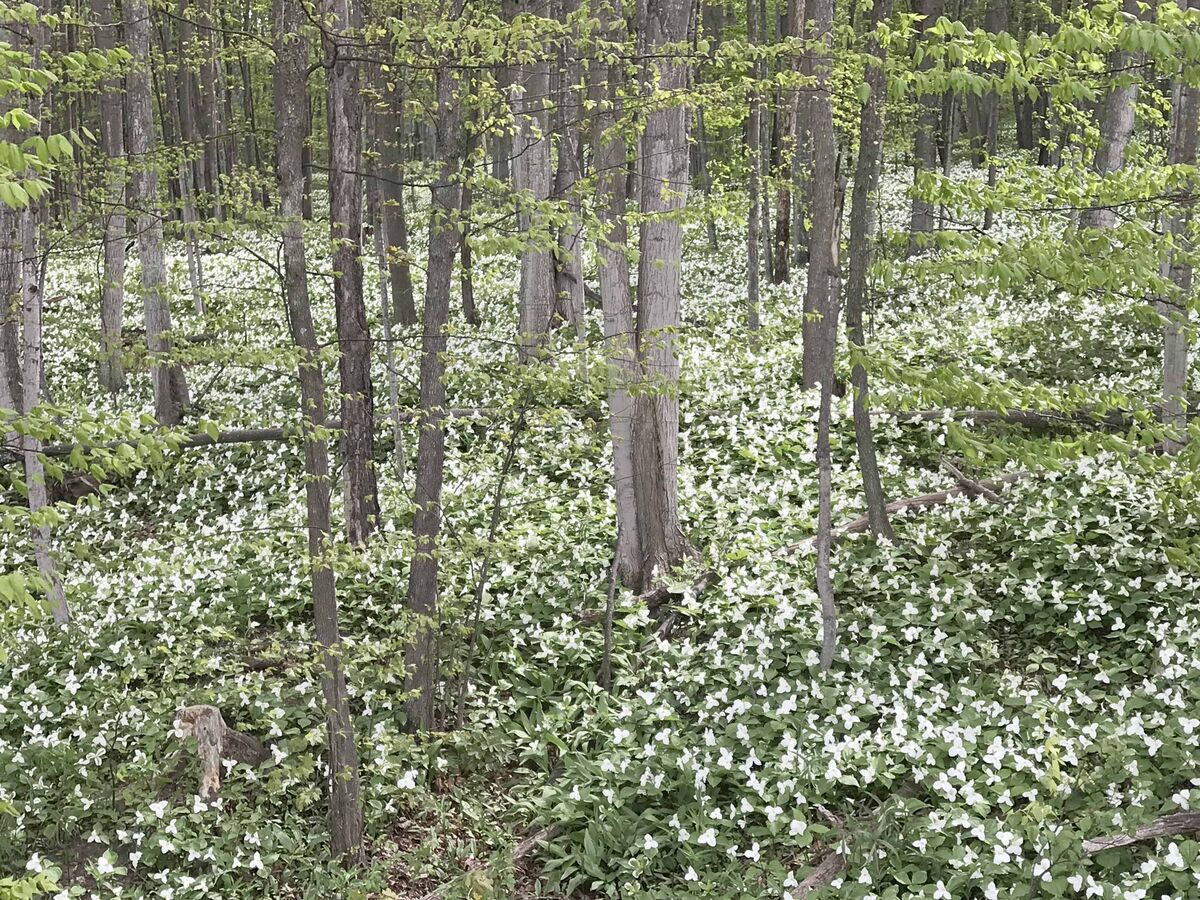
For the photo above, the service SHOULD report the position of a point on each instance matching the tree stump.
(216, 741)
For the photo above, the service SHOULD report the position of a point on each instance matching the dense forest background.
(455, 449)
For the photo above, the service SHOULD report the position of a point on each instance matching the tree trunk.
(420, 656)
(569, 299)
(664, 170)
(995, 21)
(754, 161)
(789, 150)
(531, 178)
(819, 330)
(1116, 123)
(925, 150)
(112, 146)
(291, 63)
(862, 221)
(1176, 331)
(170, 386)
(611, 158)
(345, 109)
(391, 124)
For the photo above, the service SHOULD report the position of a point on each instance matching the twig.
(969, 484)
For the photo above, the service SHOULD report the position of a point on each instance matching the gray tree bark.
(1176, 330)
(170, 386)
(819, 330)
(925, 155)
(862, 221)
(420, 656)
(1116, 122)
(532, 180)
(611, 159)
(112, 145)
(664, 171)
(291, 64)
(345, 109)
(754, 161)
(391, 149)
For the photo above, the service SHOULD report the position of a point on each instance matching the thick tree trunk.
(612, 153)
(925, 149)
(656, 406)
(819, 330)
(420, 656)
(1117, 117)
(170, 386)
(10, 305)
(531, 178)
(112, 145)
(291, 63)
(862, 221)
(345, 108)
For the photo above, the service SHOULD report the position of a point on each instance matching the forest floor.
(1015, 674)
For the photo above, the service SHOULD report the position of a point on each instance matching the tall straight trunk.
(611, 158)
(862, 222)
(754, 161)
(391, 149)
(112, 145)
(664, 168)
(420, 656)
(824, 576)
(1117, 116)
(1176, 325)
(291, 64)
(531, 178)
(11, 377)
(378, 218)
(819, 330)
(32, 376)
(569, 299)
(211, 127)
(345, 108)
(925, 146)
(788, 151)
(995, 21)
(170, 386)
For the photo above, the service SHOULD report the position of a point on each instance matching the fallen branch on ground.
(520, 852)
(1170, 825)
(1028, 418)
(970, 485)
(924, 501)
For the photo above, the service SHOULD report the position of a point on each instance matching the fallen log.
(821, 876)
(1170, 825)
(216, 741)
(1028, 418)
(972, 487)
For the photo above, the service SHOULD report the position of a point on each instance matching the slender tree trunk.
(170, 386)
(404, 310)
(376, 215)
(112, 145)
(1176, 325)
(788, 151)
(420, 656)
(32, 376)
(569, 299)
(656, 405)
(820, 302)
(862, 221)
(612, 154)
(345, 108)
(291, 64)
(925, 151)
(11, 376)
(1116, 123)
(995, 21)
(754, 161)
